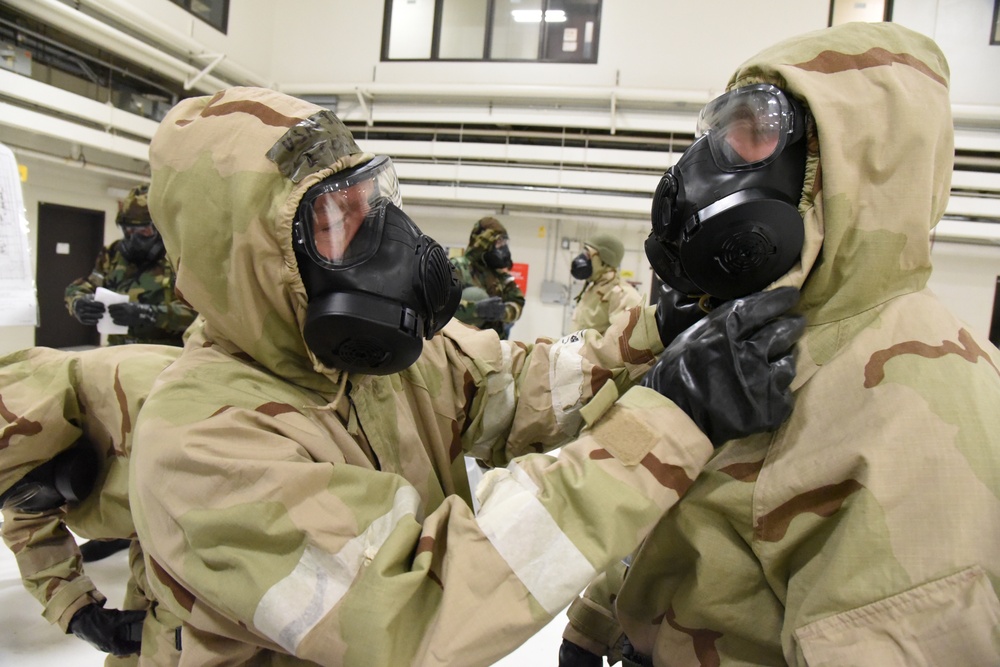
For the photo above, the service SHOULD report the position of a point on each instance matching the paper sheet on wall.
(18, 299)
(106, 325)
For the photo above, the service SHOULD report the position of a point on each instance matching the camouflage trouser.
(159, 630)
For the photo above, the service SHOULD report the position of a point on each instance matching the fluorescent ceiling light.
(535, 15)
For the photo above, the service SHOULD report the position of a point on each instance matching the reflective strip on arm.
(293, 606)
(530, 541)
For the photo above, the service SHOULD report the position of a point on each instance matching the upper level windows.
(553, 31)
(213, 12)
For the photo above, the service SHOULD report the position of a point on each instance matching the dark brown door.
(69, 240)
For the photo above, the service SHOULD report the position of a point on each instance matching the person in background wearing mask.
(605, 293)
(66, 423)
(486, 264)
(318, 509)
(864, 531)
(135, 265)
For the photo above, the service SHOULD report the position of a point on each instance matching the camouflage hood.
(878, 175)
(228, 172)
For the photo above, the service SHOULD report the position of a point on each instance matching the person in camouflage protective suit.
(137, 266)
(295, 513)
(55, 406)
(866, 530)
(485, 264)
(605, 292)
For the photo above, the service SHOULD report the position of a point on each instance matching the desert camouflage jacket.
(152, 284)
(48, 400)
(866, 530)
(603, 299)
(317, 517)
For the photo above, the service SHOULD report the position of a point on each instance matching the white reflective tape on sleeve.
(531, 543)
(293, 606)
(566, 381)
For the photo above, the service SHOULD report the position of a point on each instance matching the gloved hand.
(730, 372)
(675, 312)
(86, 310)
(110, 630)
(571, 655)
(132, 314)
(490, 309)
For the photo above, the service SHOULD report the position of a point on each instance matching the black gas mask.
(725, 217)
(69, 477)
(377, 285)
(498, 257)
(141, 244)
(581, 267)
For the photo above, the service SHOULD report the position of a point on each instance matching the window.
(213, 12)
(553, 31)
(995, 33)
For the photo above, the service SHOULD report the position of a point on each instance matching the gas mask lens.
(142, 231)
(340, 219)
(747, 127)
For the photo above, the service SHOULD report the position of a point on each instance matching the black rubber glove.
(109, 630)
(490, 309)
(132, 314)
(86, 310)
(572, 655)
(675, 312)
(730, 372)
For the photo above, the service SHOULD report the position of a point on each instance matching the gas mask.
(377, 285)
(141, 244)
(581, 267)
(498, 257)
(67, 478)
(725, 218)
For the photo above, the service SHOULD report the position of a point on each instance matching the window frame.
(223, 28)
(543, 37)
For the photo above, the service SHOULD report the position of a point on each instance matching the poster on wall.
(18, 300)
(520, 273)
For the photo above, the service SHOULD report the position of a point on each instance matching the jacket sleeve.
(174, 315)
(83, 286)
(513, 299)
(530, 397)
(50, 563)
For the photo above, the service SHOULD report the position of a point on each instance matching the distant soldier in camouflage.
(298, 480)
(866, 530)
(486, 265)
(66, 423)
(605, 293)
(135, 265)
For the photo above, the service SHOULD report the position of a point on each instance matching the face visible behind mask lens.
(725, 217)
(377, 285)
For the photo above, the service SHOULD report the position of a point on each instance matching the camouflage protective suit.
(866, 531)
(603, 299)
(313, 516)
(151, 283)
(474, 272)
(48, 400)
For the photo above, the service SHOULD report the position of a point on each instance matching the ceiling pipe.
(170, 38)
(77, 163)
(77, 23)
